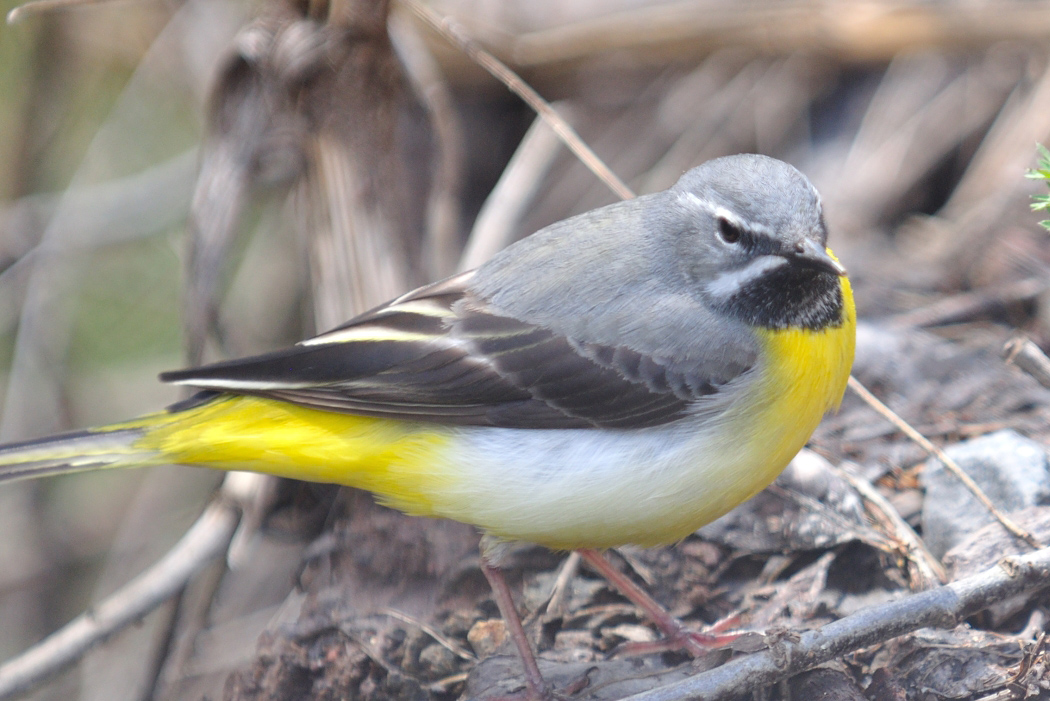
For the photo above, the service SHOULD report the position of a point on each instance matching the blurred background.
(185, 180)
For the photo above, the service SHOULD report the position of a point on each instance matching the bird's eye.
(728, 231)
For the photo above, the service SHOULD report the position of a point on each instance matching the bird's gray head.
(751, 237)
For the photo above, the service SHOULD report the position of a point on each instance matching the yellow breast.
(806, 376)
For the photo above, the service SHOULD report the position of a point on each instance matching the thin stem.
(953, 467)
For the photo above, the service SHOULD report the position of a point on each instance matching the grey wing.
(439, 354)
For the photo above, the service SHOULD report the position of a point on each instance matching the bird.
(624, 376)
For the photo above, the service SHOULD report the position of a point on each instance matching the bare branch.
(1025, 354)
(556, 603)
(686, 28)
(206, 540)
(122, 209)
(942, 607)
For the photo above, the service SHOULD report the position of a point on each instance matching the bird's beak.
(811, 254)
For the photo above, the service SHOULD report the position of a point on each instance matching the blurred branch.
(869, 31)
(1025, 354)
(35, 7)
(119, 210)
(521, 179)
(89, 217)
(943, 607)
(917, 116)
(454, 32)
(967, 305)
(441, 244)
(991, 184)
(205, 540)
(1007, 149)
(952, 466)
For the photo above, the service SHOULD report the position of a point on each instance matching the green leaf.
(1041, 203)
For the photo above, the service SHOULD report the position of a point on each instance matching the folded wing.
(440, 354)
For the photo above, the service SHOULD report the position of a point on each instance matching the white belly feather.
(599, 488)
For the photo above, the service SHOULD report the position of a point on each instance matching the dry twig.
(942, 607)
(205, 540)
(928, 569)
(445, 642)
(560, 591)
(1025, 354)
(953, 467)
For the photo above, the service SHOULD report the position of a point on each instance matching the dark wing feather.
(441, 355)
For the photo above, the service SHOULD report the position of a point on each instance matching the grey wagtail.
(624, 376)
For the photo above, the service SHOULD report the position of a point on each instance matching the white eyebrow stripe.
(721, 212)
(691, 199)
(729, 283)
(714, 210)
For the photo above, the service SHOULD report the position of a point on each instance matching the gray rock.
(991, 544)
(1011, 469)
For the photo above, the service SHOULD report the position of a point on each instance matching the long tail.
(401, 461)
(79, 451)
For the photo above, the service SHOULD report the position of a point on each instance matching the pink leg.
(537, 687)
(696, 644)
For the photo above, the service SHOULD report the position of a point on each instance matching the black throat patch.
(789, 297)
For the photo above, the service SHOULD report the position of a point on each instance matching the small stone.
(633, 633)
(575, 646)
(613, 637)
(572, 639)
(908, 503)
(438, 661)
(487, 636)
(1009, 468)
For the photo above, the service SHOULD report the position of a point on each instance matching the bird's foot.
(691, 642)
(697, 644)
